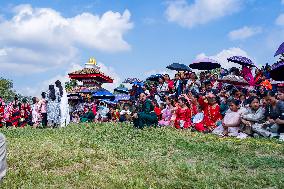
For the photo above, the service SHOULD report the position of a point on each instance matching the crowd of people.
(201, 104)
(198, 102)
(52, 110)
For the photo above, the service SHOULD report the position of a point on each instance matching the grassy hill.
(118, 156)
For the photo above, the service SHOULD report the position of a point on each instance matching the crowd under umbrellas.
(197, 102)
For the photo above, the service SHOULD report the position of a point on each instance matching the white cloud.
(222, 56)
(201, 11)
(244, 33)
(44, 39)
(280, 20)
(110, 71)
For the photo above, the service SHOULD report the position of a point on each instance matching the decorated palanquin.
(90, 77)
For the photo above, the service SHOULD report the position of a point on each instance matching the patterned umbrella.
(121, 90)
(241, 60)
(107, 101)
(205, 64)
(178, 67)
(85, 90)
(132, 80)
(277, 71)
(234, 80)
(122, 97)
(280, 50)
(154, 77)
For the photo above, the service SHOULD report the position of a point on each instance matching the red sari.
(211, 116)
(2, 115)
(183, 118)
(26, 116)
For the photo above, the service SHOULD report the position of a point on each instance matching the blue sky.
(41, 41)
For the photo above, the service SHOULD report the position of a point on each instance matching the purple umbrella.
(205, 64)
(241, 60)
(122, 97)
(280, 50)
(277, 71)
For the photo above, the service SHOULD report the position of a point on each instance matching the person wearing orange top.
(266, 83)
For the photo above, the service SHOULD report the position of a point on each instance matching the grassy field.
(115, 156)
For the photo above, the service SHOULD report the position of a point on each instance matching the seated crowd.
(201, 104)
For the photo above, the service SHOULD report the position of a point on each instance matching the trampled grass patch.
(118, 156)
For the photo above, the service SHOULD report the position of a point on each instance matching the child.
(183, 115)
(158, 110)
(231, 122)
(125, 114)
(23, 119)
(197, 120)
(36, 118)
(75, 117)
(166, 114)
(2, 110)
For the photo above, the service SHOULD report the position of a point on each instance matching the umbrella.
(121, 90)
(205, 64)
(131, 80)
(138, 83)
(178, 67)
(280, 50)
(107, 101)
(277, 71)
(241, 60)
(234, 80)
(103, 94)
(154, 77)
(122, 97)
(85, 90)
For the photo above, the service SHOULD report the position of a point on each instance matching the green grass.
(115, 156)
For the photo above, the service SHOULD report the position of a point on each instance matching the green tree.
(6, 89)
(70, 85)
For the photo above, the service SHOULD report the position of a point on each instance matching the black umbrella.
(205, 64)
(178, 67)
(277, 71)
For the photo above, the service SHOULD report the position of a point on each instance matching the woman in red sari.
(183, 115)
(212, 114)
(2, 109)
(25, 113)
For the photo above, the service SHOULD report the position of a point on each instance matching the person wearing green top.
(146, 116)
(89, 116)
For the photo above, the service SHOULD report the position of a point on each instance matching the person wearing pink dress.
(246, 73)
(166, 114)
(43, 109)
